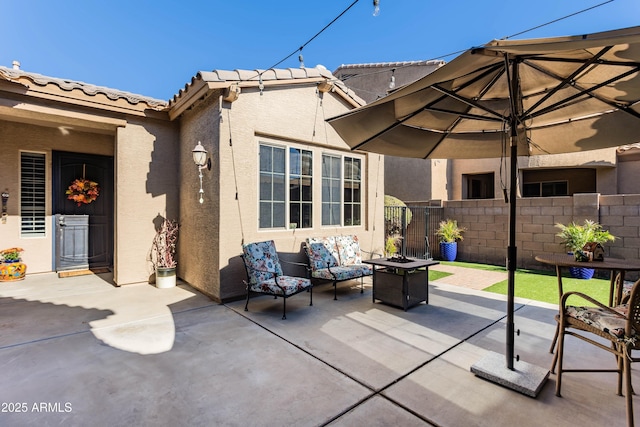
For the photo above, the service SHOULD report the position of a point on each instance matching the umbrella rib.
(566, 80)
(464, 115)
(467, 101)
(428, 106)
(587, 93)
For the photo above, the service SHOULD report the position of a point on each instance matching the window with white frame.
(341, 190)
(300, 188)
(274, 198)
(352, 189)
(272, 186)
(32, 194)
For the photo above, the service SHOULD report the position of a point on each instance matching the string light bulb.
(301, 59)
(376, 7)
(392, 81)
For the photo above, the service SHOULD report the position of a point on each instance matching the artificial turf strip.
(543, 285)
(435, 275)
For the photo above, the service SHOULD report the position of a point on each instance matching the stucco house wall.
(146, 189)
(46, 114)
(16, 138)
(286, 114)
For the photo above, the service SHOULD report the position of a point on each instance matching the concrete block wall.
(487, 224)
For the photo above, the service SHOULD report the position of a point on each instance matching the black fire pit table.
(401, 282)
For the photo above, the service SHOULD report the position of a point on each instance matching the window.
(273, 189)
(479, 186)
(331, 180)
(340, 195)
(272, 186)
(545, 189)
(32, 194)
(352, 191)
(300, 188)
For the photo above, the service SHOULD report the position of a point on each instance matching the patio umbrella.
(522, 97)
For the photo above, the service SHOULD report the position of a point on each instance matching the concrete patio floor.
(78, 351)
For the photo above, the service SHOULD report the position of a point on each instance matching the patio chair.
(265, 275)
(618, 324)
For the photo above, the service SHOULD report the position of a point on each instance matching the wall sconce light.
(5, 199)
(202, 162)
(325, 86)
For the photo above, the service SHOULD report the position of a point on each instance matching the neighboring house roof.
(205, 81)
(27, 79)
(374, 80)
(398, 64)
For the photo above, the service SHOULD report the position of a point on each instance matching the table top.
(413, 263)
(564, 260)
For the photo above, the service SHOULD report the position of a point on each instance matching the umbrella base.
(525, 378)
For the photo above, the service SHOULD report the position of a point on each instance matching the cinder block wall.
(487, 223)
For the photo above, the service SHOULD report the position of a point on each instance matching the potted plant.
(12, 267)
(163, 253)
(449, 233)
(576, 236)
(391, 245)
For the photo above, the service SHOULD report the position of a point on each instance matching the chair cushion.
(262, 261)
(291, 285)
(600, 319)
(343, 273)
(349, 250)
(322, 252)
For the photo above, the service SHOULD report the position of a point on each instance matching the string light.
(376, 7)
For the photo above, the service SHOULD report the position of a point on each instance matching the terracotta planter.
(12, 271)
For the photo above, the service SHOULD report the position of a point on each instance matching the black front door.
(68, 167)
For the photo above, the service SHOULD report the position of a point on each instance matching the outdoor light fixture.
(5, 199)
(201, 161)
(376, 7)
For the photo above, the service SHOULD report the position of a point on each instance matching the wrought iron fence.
(416, 227)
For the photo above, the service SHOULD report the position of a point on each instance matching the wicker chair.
(265, 275)
(619, 325)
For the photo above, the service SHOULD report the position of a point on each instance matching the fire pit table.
(401, 282)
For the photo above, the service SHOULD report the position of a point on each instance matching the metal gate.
(72, 242)
(416, 226)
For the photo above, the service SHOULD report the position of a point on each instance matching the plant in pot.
(163, 253)
(11, 266)
(576, 236)
(391, 245)
(449, 233)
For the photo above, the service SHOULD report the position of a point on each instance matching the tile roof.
(270, 75)
(435, 62)
(15, 75)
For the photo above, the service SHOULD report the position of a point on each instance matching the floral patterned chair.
(336, 258)
(265, 275)
(620, 325)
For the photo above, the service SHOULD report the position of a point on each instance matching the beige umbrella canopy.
(521, 97)
(571, 94)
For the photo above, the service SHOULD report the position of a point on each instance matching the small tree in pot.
(163, 253)
(449, 233)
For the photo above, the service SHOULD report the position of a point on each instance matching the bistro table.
(402, 282)
(614, 265)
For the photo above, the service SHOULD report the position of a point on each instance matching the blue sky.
(154, 47)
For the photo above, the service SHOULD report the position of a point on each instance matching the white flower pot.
(165, 277)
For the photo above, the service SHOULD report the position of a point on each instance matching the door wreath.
(83, 191)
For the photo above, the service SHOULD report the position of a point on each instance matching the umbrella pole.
(512, 251)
